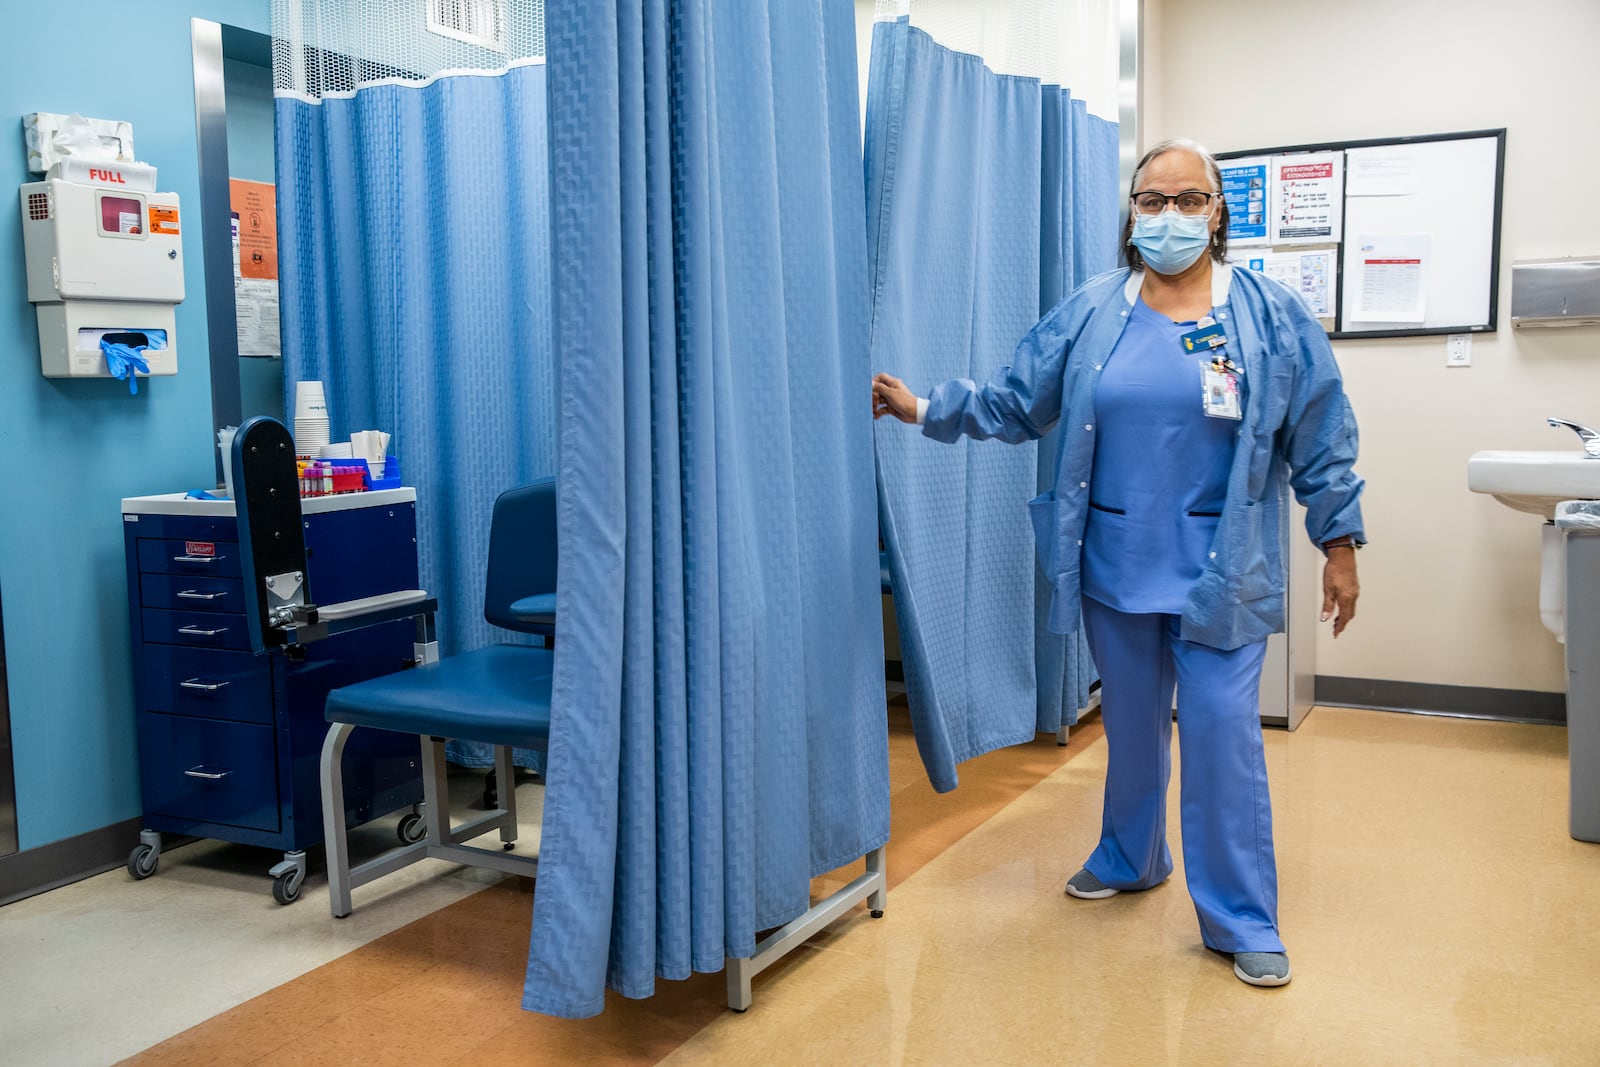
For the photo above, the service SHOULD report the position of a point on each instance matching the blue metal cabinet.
(229, 741)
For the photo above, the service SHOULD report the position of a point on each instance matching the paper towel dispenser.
(1555, 292)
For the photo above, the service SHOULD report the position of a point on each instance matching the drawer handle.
(195, 594)
(210, 776)
(195, 559)
(209, 687)
(195, 631)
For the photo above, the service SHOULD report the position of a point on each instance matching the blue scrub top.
(1297, 431)
(1160, 470)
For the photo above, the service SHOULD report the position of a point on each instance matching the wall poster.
(255, 266)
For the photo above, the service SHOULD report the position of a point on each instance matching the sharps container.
(1579, 522)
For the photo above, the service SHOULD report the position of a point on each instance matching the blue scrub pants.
(1227, 813)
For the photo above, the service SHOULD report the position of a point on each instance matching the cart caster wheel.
(491, 791)
(143, 861)
(286, 887)
(877, 913)
(508, 846)
(411, 829)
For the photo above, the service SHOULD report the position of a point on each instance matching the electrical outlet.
(1458, 350)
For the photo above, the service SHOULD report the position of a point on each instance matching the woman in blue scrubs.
(1192, 397)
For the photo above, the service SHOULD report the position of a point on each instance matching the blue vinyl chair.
(525, 570)
(498, 695)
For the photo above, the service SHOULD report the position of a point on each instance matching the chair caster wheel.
(877, 913)
(411, 829)
(508, 846)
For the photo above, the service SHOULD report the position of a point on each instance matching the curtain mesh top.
(1071, 43)
(326, 47)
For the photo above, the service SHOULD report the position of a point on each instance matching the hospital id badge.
(1219, 391)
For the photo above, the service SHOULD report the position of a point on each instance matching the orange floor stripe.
(446, 988)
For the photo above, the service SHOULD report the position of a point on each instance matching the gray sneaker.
(1086, 886)
(1262, 968)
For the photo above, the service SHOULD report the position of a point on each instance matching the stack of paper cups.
(310, 418)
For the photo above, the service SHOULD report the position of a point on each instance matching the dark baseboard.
(1466, 701)
(36, 870)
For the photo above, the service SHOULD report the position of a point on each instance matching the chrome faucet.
(1591, 440)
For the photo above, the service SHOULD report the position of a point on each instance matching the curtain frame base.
(873, 887)
(1088, 705)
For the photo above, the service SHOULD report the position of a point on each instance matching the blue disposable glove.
(122, 360)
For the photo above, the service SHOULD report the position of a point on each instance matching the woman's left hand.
(1340, 588)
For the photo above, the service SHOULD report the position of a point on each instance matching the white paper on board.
(256, 305)
(1380, 172)
(1390, 276)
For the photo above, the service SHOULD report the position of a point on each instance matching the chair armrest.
(540, 607)
(368, 605)
(368, 611)
(531, 615)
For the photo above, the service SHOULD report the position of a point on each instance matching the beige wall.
(1450, 582)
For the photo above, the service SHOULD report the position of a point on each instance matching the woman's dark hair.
(1219, 240)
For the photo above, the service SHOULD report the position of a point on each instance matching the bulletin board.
(1395, 237)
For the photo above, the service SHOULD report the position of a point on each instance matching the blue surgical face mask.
(1170, 242)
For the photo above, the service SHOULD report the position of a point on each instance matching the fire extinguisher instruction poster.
(1307, 198)
(255, 266)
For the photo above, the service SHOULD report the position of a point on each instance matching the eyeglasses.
(1189, 202)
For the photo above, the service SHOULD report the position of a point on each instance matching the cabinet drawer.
(219, 772)
(209, 683)
(182, 592)
(198, 628)
(164, 556)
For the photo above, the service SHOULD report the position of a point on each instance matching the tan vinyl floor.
(1435, 910)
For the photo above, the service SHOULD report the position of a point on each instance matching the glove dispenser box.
(102, 259)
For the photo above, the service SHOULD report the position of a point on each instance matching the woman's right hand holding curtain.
(891, 397)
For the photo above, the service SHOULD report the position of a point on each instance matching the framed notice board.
(1396, 237)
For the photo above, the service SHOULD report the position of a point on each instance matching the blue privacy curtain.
(1080, 195)
(415, 232)
(718, 734)
(989, 198)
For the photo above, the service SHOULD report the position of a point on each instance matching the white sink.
(1535, 482)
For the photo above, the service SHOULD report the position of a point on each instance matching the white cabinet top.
(179, 504)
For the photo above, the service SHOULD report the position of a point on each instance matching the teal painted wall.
(73, 449)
